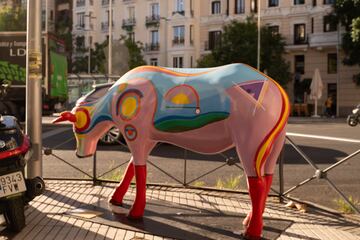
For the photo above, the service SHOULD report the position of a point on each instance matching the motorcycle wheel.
(14, 214)
(352, 121)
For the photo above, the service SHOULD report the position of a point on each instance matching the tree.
(135, 57)
(97, 58)
(13, 18)
(347, 12)
(239, 44)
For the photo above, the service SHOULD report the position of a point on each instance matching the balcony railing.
(178, 41)
(179, 12)
(323, 39)
(105, 26)
(153, 20)
(300, 41)
(152, 47)
(80, 26)
(128, 23)
(80, 3)
(106, 2)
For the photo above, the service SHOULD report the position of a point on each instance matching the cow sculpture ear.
(128, 104)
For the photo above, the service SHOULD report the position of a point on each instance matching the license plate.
(11, 184)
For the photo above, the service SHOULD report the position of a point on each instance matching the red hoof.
(249, 237)
(116, 203)
(135, 215)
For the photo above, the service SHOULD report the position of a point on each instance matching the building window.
(191, 34)
(154, 45)
(299, 64)
(274, 29)
(312, 25)
(214, 39)
(131, 12)
(90, 41)
(81, 20)
(80, 43)
(154, 37)
(273, 3)
(239, 6)
(299, 34)
(254, 6)
(179, 35)
(299, 2)
(329, 24)
(314, 3)
(179, 6)
(155, 9)
(154, 61)
(329, 2)
(332, 63)
(216, 7)
(178, 62)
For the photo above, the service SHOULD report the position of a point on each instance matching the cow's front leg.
(137, 210)
(140, 151)
(120, 191)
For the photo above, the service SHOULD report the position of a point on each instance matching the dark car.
(113, 136)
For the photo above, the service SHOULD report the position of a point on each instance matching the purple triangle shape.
(253, 89)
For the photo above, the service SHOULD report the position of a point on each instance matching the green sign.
(13, 59)
(58, 75)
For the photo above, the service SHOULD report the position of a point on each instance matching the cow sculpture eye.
(82, 119)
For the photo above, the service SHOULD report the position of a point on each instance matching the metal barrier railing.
(228, 161)
(319, 174)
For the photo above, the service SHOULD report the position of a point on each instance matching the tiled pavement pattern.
(45, 219)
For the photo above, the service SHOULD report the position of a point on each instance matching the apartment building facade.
(176, 33)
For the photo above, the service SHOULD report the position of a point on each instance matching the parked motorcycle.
(354, 118)
(15, 190)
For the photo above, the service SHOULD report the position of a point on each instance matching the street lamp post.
(33, 87)
(259, 35)
(338, 70)
(110, 42)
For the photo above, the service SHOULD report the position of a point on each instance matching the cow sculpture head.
(88, 125)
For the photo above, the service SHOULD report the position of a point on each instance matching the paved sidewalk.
(46, 219)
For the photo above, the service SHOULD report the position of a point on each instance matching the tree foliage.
(13, 18)
(347, 13)
(239, 44)
(97, 59)
(135, 56)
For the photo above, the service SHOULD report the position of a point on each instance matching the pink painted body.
(256, 128)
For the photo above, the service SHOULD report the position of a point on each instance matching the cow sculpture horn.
(65, 116)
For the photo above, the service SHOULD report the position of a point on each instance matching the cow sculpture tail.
(266, 145)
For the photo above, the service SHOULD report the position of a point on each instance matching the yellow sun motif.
(128, 107)
(81, 119)
(180, 99)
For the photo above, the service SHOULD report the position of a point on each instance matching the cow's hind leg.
(269, 169)
(121, 189)
(256, 185)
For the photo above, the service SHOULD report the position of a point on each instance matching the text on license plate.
(11, 184)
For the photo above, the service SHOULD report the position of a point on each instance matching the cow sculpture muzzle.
(85, 146)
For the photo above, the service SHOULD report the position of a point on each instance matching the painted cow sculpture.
(207, 110)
